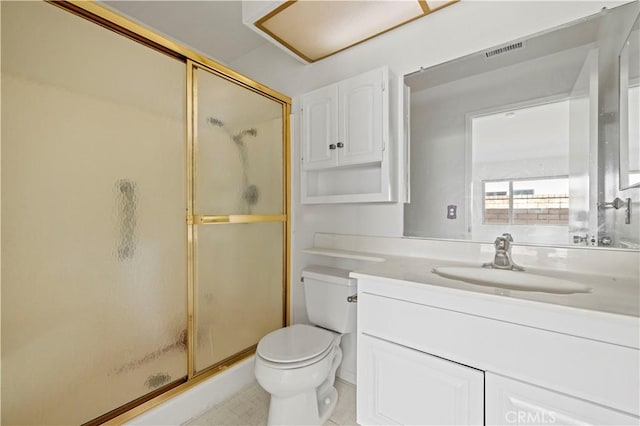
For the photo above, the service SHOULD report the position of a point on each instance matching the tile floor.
(249, 407)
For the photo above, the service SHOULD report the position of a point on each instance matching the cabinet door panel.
(361, 118)
(320, 128)
(510, 401)
(398, 385)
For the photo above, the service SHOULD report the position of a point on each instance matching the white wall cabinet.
(401, 386)
(347, 134)
(420, 362)
(320, 128)
(363, 120)
(342, 124)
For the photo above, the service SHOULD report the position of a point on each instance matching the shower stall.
(144, 214)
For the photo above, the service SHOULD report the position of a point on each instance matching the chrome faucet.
(502, 259)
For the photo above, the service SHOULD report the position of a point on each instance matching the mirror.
(629, 111)
(507, 139)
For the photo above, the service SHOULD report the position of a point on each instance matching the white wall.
(457, 30)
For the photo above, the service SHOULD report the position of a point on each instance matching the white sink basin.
(513, 280)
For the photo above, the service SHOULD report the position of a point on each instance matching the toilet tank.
(326, 290)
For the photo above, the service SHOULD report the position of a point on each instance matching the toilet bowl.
(297, 364)
(299, 376)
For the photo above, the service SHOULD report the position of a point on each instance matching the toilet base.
(326, 406)
(300, 396)
(305, 408)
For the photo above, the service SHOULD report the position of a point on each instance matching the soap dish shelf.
(343, 254)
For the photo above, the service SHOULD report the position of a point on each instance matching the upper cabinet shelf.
(347, 140)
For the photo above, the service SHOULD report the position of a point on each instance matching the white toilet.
(297, 364)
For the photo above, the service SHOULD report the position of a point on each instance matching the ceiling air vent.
(504, 49)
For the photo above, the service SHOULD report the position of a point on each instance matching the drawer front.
(598, 372)
(511, 402)
(402, 386)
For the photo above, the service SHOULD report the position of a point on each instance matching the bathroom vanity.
(433, 350)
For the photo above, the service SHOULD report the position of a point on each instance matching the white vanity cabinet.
(346, 132)
(432, 355)
(401, 386)
(511, 401)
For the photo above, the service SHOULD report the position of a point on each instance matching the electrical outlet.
(452, 211)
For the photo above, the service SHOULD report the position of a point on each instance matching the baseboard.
(200, 398)
(346, 375)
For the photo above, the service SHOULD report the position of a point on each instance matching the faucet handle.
(504, 242)
(502, 259)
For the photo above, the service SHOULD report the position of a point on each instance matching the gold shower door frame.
(107, 18)
(194, 220)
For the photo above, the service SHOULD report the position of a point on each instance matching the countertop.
(610, 312)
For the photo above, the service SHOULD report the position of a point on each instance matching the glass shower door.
(93, 228)
(239, 230)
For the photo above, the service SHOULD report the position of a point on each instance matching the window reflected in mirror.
(522, 169)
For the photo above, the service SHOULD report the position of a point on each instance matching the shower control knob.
(332, 146)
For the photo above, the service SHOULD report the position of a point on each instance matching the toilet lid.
(296, 343)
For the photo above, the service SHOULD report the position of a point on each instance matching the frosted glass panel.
(239, 152)
(239, 288)
(93, 218)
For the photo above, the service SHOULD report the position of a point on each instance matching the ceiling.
(312, 30)
(213, 27)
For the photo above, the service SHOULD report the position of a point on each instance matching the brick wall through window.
(528, 209)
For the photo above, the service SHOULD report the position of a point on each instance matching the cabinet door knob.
(332, 146)
(340, 145)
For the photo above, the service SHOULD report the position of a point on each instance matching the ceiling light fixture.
(313, 30)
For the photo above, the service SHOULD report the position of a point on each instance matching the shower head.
(237, 138)
(215, 122)
(251, 132)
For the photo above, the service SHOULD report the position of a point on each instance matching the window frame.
(510, 194)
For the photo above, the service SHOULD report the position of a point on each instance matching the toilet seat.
(295, 346)
(294, 365)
